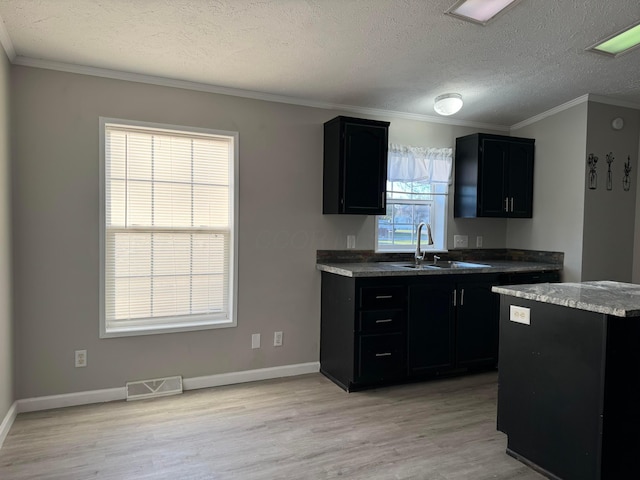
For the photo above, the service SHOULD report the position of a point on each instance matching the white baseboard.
(6, 424)
(250, 375)
(111, 394)
(36, 404)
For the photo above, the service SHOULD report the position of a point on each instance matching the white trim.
(120, 393)
(553, 111)
(36, 404)
(7, 44)
(6, 424)
(235, 92)
(250, 375)
(171, 325)
(589, 97)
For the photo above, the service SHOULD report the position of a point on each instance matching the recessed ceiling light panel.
(619, 43)
(479, 11)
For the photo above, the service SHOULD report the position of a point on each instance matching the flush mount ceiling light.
(448, 104)
(479, 11)
(619, 43)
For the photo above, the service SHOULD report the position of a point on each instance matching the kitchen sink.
(438, 265)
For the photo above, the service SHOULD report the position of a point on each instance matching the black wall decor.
(592, 160)
(626, 180)
(610, 159)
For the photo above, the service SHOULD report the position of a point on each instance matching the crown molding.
(589, 97)
(268, 97)
(548, 113)
(6, 42)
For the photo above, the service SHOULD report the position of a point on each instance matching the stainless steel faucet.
(419, 256)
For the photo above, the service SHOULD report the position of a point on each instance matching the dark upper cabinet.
(493, 176)
(355, 166)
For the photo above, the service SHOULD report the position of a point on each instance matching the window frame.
(408, 201)
(165, 325)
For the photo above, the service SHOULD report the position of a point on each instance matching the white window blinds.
(168, 228)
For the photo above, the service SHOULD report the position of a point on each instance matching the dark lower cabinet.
(363, 330)
(452, 324)
(477, 324)
(430, 328)
(383, 330)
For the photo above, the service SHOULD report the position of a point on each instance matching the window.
(417, 190)
(168, 218)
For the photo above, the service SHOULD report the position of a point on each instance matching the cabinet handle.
(386, 320)
(386, 354)
(382, 297)
(384, 197)
(462, 297)
(455, 297)
(506, 204)
(512, 204)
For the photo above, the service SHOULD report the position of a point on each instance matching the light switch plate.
(351, 241)
(519, 314)
(460, 241)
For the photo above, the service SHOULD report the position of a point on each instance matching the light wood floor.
(297, 428)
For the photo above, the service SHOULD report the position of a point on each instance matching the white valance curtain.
(406, 164)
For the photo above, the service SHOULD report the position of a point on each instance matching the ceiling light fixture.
(448, 104)
(619, 43)
(479, 11)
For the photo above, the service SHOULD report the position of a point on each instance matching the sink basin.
(437, 265)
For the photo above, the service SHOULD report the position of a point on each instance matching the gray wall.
(558, 196)
(55, 131)
(609, 216)
(6, 333)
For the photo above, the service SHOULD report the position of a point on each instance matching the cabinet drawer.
(382, 357)
(381, 321)
(384, 297)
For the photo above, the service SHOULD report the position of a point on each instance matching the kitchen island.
(568, 377)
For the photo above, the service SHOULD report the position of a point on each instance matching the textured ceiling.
(384, 54)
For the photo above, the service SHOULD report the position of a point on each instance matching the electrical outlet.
(479, 241)
(351, 241)
(460, 241)
(255, 340)
(81, 358)
(277, 339)
(519, 314)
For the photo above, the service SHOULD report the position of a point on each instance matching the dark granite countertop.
(607, 297)
(389, 269)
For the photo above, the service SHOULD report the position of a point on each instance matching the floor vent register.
(158, 387)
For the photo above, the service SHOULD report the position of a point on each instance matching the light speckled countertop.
(610, 298)
(389, 269)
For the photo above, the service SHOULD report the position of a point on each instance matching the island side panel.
(550, 395)
(621, 442)
(337, 328)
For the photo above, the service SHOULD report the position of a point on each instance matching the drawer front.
(381, 321)
(380, 298)
(381, 357)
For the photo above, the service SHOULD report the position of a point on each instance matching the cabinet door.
(430, 327)
(477, 324)
(520, 179)
(365, 169)
(491, 192)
